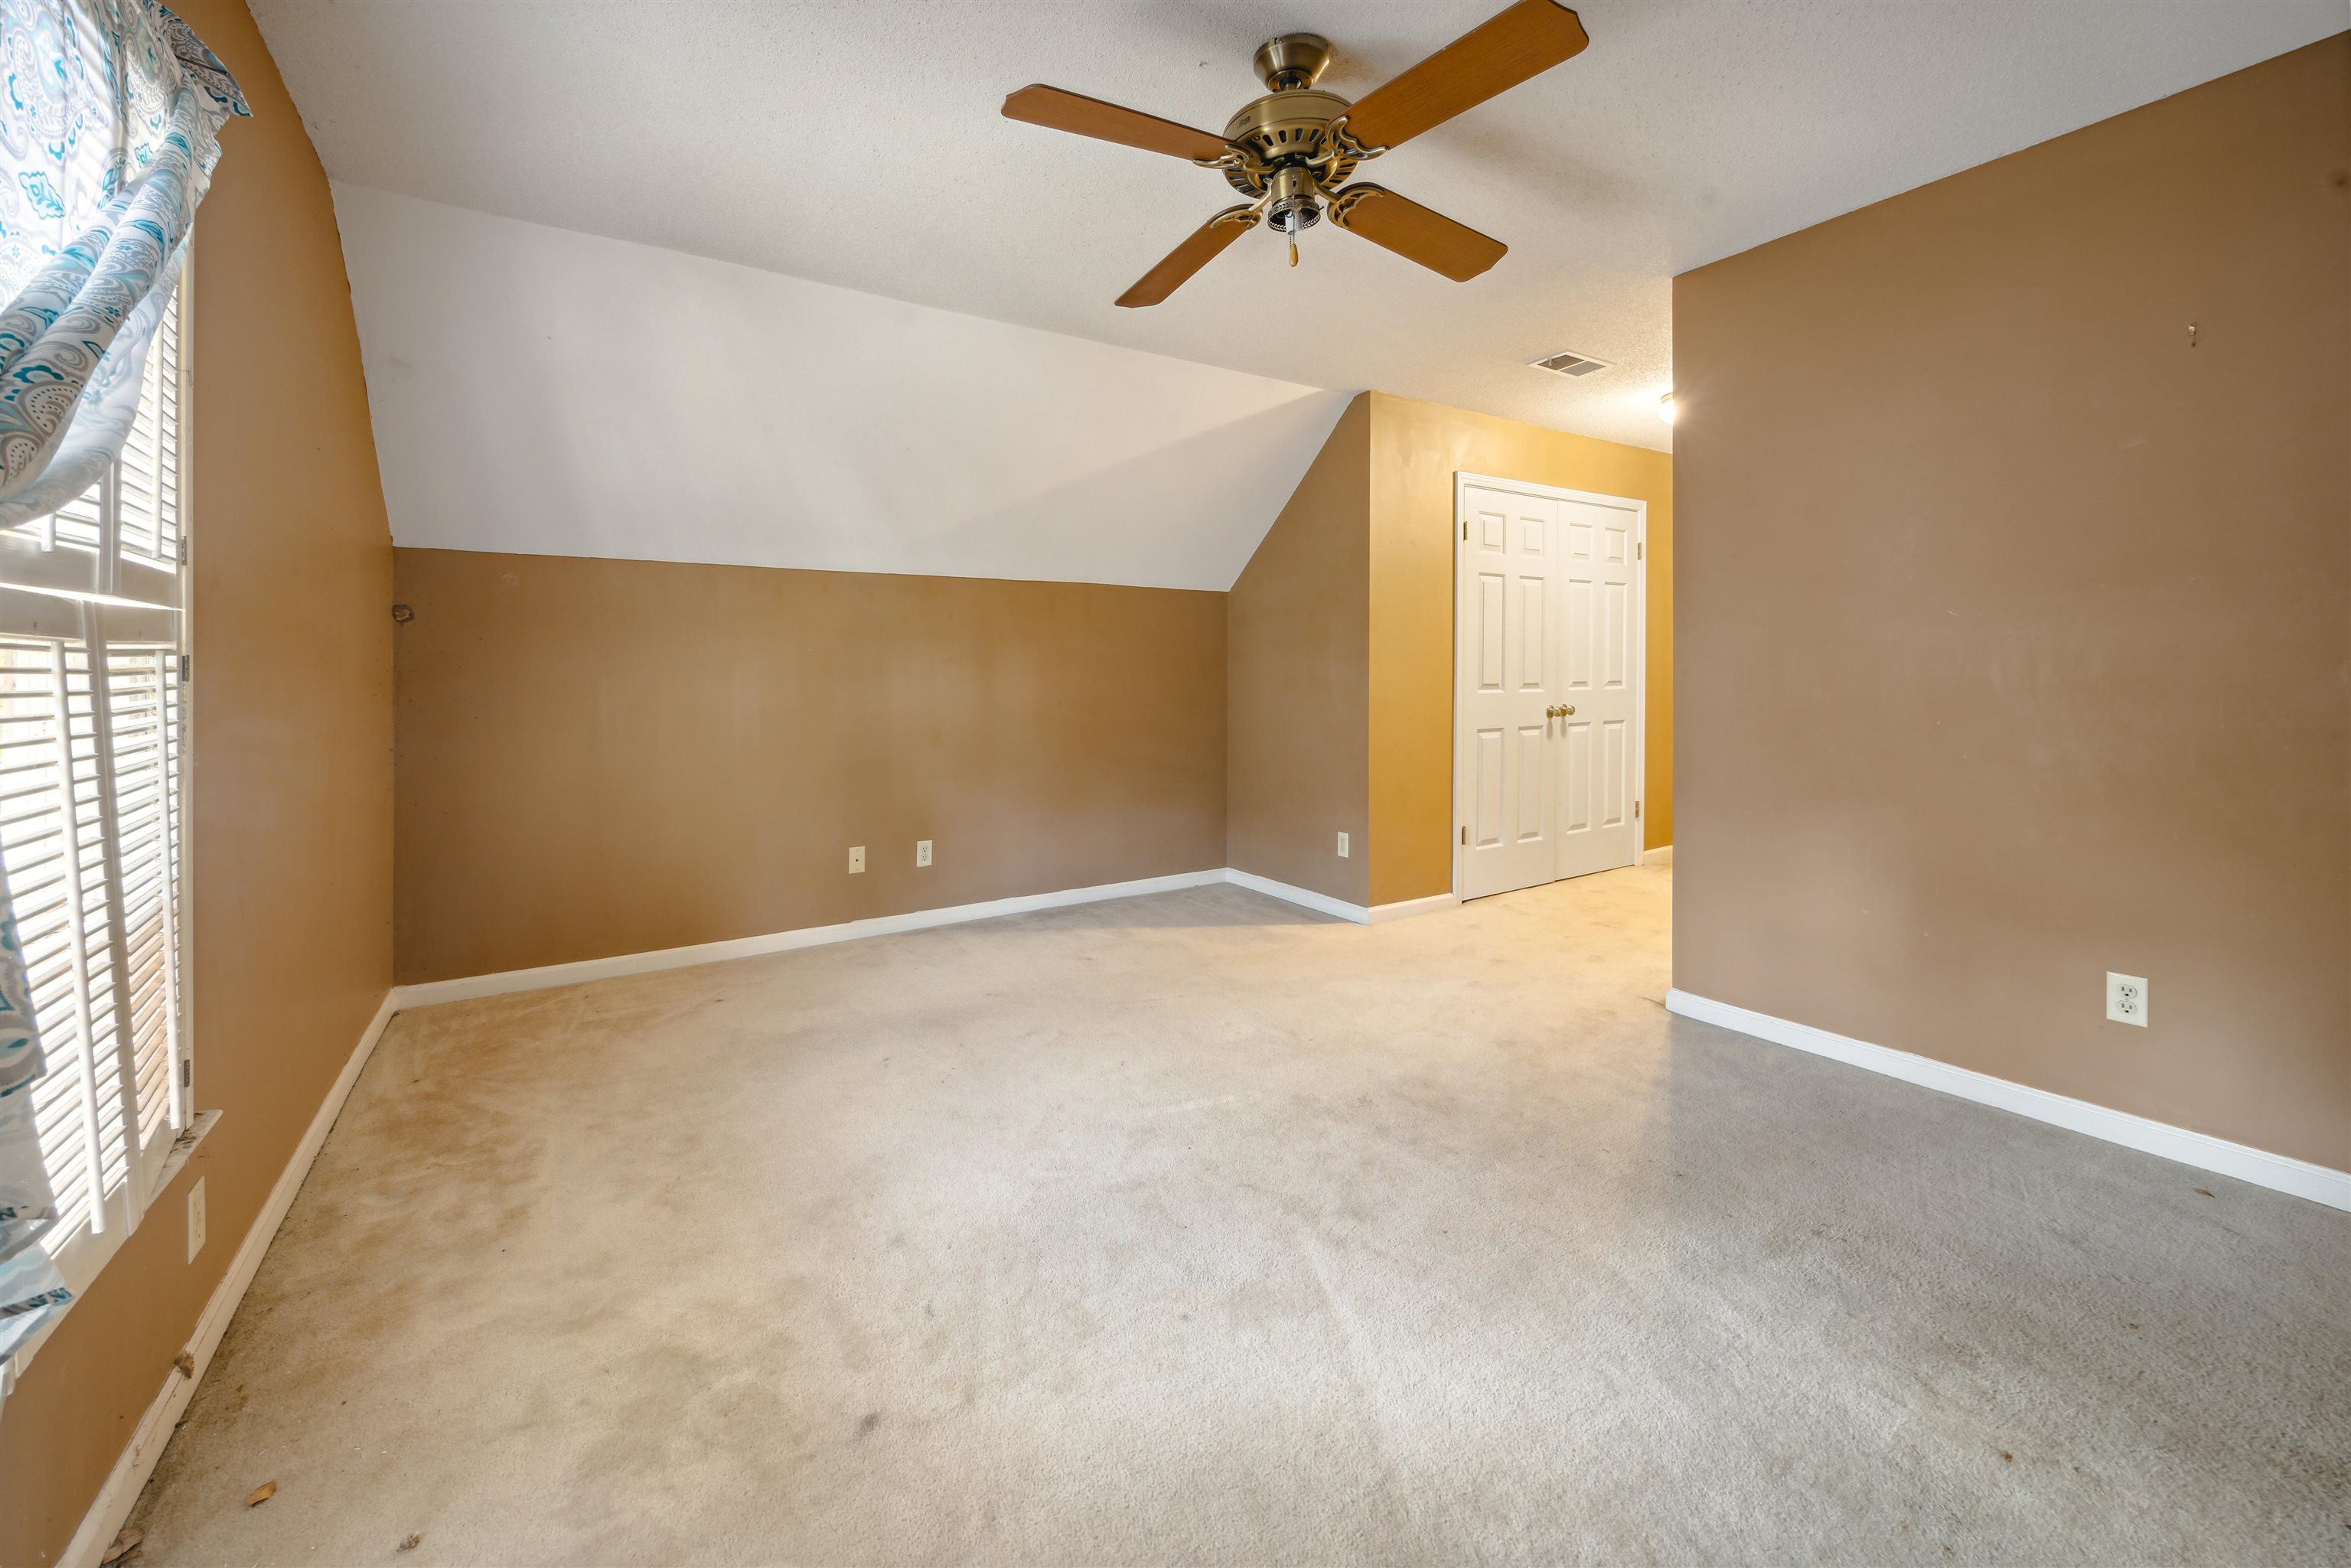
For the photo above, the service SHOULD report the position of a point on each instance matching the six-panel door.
(1545, 616)
(1510, 617)
(1595, 824)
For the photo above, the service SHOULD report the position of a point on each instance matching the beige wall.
(1298, 693)
(1416, 450)
(2015, 628)
(603, 757)
(290, 845)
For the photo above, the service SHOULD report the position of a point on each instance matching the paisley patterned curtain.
(110, 122)
(109, 118)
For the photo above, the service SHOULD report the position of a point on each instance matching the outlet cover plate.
(2126, 998)
(921, 851)
(195, 1220)
(856, 859)
(1342, 846)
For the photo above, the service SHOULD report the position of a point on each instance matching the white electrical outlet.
(921, 851)
(195, 1220)
(1342, 846)
(2126, 998)
(856, 859)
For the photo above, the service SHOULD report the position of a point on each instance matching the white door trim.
(1462, 480)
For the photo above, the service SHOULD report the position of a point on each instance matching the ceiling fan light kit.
(1291, 152)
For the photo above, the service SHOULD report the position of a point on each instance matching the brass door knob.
(1560, 710)
(1568, 712)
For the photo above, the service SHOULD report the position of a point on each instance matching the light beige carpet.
(1197, 1228)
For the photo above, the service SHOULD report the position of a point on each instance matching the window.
(92, 727)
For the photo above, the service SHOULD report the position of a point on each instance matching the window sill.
(184, 1145)
(81, 1256)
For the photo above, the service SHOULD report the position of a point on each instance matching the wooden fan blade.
(1415, 233)
(1203, 247)
(1050, 106)
(1494, 57)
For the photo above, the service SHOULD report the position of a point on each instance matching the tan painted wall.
(1416, 450)
(291, 782)
(603, 757)
(2014, 629)
(1297, 682)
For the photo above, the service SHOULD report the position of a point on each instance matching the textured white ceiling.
(547, 393)
(859, 145)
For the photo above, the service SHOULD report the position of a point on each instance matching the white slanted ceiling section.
(547, 392)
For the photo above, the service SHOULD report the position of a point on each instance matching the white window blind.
(92, 723)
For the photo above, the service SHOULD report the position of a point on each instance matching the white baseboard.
(430, 992)
(2300, 1177)
(137, 1462)
(1406, 908)
(1305, 898)
(1662, 855)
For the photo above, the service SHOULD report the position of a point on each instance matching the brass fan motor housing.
(1285, 128)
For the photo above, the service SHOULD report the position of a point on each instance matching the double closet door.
(1547, 704)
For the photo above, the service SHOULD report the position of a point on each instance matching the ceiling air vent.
(1571, 364)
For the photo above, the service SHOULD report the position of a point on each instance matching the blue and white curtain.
(109, 118)
(109, 132)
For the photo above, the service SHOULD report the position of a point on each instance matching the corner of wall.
(1297, 679)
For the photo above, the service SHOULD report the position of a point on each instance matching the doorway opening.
(1550, 588)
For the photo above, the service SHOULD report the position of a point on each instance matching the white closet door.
(1509, 658)
(1596, 829)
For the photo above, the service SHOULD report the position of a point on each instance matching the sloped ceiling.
(547, 393)
(804, 298)
(859, 145)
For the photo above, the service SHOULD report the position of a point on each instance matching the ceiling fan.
(1290, 150)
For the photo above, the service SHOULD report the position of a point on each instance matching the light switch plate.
(2126, 998)
(856, 859)
(921, 851)
(1342, 846)
(195, 1220)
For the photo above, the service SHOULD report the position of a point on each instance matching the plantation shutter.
(92, 712)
